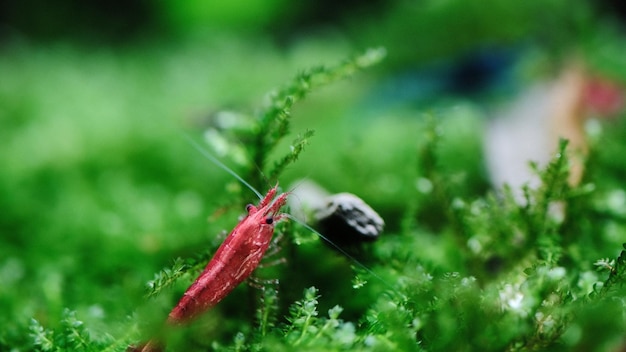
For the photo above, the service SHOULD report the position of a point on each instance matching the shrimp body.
(237, 257)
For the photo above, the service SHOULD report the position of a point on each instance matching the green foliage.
(296, 148)
(274, 120)
(305, 329)
(70, 336)
(98, 192)
(166, 277)
(267, 311)
(617, 275)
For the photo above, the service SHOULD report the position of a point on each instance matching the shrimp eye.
(269, 220)
(249, 207)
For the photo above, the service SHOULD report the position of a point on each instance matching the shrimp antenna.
(342, 251)
(220, 164)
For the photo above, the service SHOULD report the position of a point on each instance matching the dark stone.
(347, 219)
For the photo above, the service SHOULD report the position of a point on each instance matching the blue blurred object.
(481, 74)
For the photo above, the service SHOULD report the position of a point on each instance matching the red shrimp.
(235, 260)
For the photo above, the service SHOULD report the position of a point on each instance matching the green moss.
(107, 214)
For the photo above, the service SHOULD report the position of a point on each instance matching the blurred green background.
(99, 188)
